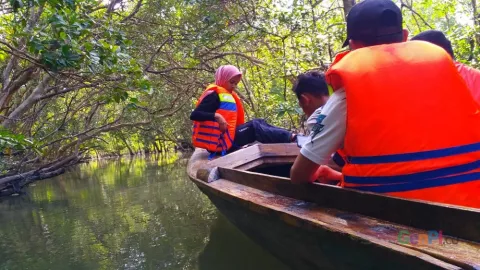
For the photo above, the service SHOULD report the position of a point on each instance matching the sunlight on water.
(123, 214)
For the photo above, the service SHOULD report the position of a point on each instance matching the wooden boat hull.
(301, 248)
(306, 236)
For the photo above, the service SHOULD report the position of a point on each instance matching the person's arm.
(326, 137)
(205, 111)
(304, 170)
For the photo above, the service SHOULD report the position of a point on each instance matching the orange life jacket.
(206, 134)
(472, 79)
(413, 128)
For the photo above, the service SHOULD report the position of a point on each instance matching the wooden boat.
(319, 226)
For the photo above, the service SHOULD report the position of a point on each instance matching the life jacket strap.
(424, 155)
(222, 145)
(413, 177)
(429, 183)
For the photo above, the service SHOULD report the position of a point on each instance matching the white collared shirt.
(327, 130)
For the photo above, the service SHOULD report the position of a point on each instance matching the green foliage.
(10, 141)
(125, 76)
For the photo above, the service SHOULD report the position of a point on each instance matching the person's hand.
(222, 124)
(327, 175)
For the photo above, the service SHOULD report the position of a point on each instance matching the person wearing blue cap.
(391, 105)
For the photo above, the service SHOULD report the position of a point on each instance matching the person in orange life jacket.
(470, 75)
(209, 110)
(312, 93)
(394, 142)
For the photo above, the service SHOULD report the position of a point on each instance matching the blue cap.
(370, 20)
(436, 37)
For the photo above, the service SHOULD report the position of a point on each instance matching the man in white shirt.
(313, 93)
(326, 137)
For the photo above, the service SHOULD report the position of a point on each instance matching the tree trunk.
(155, 146)
(12, 63)
(347, 5)
(476, 21)
(128, 146)
(27, 103)
(162, 147)
(7, 71)
(16, 185)
(11, 184)
(12, 87)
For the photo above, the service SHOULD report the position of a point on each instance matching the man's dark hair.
(312, 82)
(438, 38)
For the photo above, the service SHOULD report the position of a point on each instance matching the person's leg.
(244, 134)
(266, 133)
(259, 130)
(262, 122)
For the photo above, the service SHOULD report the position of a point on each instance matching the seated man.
(393, 117)
(312, 93)
(470, 75)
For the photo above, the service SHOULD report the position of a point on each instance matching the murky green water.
(129, 214)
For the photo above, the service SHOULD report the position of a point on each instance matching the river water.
(122, 214)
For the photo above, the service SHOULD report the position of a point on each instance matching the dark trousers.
(259, 130)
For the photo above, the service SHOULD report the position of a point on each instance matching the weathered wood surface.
(313, 234)
(332, 211)
(244, 158)
(463, 253)
(456, 221)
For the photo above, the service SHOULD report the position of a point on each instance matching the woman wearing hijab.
(218, 118)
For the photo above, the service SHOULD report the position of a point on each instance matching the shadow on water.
(228, 248)
(122, 214)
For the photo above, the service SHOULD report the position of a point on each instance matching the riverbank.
(14, 184)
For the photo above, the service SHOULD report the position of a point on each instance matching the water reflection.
(228, 248)
(127, 214)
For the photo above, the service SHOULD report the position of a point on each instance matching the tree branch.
(415, 13)
(134, 11)
(249, 58)
(28, 102)
(150, 63)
